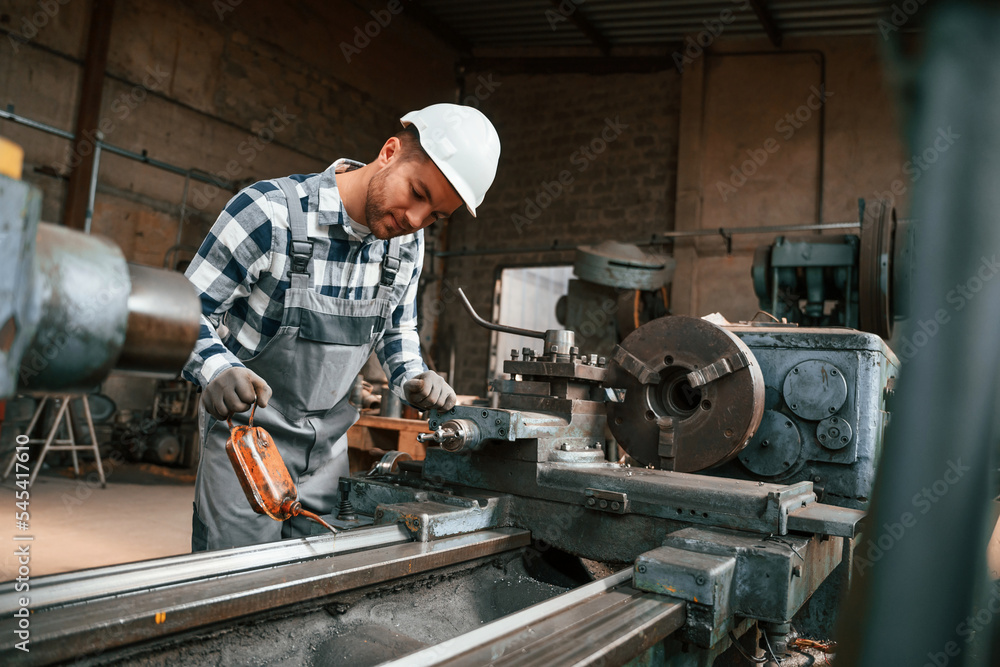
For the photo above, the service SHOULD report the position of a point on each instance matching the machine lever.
(496, 327)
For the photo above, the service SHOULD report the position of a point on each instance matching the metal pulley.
(624, 266)
(694, 394)
(885, 268)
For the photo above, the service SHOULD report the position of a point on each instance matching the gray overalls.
(310, 365)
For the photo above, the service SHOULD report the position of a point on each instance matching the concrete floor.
(77, 524)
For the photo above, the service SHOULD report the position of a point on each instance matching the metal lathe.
(752, 447)
(723, 534)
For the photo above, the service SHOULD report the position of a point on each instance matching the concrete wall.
(684, 135)
(244, 89)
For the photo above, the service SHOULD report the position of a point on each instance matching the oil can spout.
(299, 511)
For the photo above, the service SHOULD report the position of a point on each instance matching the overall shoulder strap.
(390, 267)
(301, 249)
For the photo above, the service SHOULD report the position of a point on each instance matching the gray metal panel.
(20, 209)
(846, 472)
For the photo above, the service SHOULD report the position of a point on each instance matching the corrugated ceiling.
(621, 23)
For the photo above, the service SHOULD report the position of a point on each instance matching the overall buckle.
(302, 252)
(390, 267)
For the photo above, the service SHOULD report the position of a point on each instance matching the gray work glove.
(234, 390)
(429, 390)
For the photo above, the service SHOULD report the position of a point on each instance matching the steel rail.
(96, 625)
(78, 586)
(6, 114)
(604, 622)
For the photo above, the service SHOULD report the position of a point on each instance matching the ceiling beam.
(570, 65)
(767, 21)
(585, 26)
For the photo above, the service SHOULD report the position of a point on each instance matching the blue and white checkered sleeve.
(227, 265)
(399, 349)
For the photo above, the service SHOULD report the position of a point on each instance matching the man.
(309, 275)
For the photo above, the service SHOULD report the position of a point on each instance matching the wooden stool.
(53, 444)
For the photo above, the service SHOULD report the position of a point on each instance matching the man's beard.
(375, 208)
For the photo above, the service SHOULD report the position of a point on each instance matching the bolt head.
(700, 580)
(642, 569)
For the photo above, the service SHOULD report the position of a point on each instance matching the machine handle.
(497, 327)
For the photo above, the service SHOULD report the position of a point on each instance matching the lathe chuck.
(693, 394)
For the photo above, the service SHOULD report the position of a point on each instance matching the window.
(527, 299)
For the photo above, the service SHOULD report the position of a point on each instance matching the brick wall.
(584, 158)
(245, 89)
(630, 189)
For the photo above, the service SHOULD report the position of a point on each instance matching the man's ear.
(390, 151)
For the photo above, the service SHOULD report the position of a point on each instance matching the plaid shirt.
(241, 274)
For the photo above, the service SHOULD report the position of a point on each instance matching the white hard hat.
(463, 144)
